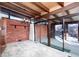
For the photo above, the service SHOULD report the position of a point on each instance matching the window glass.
(3, 14)
(16, 18)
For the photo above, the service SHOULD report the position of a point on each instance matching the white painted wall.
(31, 36)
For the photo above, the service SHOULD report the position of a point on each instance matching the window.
(16, 18)
(3, 14)
(13, 15)
(58, 30)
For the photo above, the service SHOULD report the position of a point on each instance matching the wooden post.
(53, 31)
(9, 15)
(49, 32)
(66, 31)
(63, 24)
(78, 31)
(66, 28)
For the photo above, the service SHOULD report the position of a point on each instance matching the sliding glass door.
(72, 38)
(56, 41)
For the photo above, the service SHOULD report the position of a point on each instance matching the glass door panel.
(57, 41)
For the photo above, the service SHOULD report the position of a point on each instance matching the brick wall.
(2, 31)
(2, 37)
(12, 31)
(16, 31)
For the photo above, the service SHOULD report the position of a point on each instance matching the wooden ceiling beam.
(61, 18)
(20, 8)
(55, 15)
(68, 7)
(26, 7)
(3, 6)
(70, 22)
(61, 4)
(41, 6)
(68, 14)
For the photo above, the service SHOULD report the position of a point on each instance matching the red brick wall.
(11, 34)
(21, 32)
(2, 37)
(2, 32)
(16, 31)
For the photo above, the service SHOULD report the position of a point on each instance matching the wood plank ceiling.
(48, 10)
